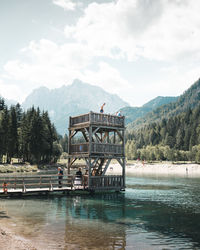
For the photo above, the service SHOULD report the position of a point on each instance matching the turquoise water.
(153, 213)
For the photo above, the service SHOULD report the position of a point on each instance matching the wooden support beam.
(74, 132)
(106, 166)
(94, 162)
(87, 162)
(120, 162)
(89, 174)
(105, 136)
(120, 135)
(98, 138)
(108, 139)
(95, 131)
(124, 171)
(72, 161)
(84, 135)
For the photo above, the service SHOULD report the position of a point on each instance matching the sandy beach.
(164, 168)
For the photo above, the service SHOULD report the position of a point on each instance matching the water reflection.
(152, 214)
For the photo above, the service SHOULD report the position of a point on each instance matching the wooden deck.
(44, 184)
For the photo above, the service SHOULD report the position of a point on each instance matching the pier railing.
(107, 182)
(35, 182)
(96, 148)
(97, 119)
(49, 183)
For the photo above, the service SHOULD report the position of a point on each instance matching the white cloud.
(49, 64)
(166, 30)
(159, 29)
(10, 91)
(65, 4)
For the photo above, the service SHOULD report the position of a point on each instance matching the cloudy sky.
(138, 49)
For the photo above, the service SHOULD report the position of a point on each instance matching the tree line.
(176, 138)
(28, 135)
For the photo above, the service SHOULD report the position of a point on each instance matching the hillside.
(189, 99)
(133, 113)
(72, 100)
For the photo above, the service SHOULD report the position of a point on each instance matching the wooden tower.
(101, 140)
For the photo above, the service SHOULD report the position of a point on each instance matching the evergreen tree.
(12, 138)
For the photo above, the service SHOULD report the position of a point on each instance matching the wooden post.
(90, 150)
(108, 137)
(69, 144)
(89, 174)
(124, 160)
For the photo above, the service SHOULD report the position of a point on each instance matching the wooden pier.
(100, 141)
(37, 184)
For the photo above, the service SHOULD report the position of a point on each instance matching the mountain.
(190, 99)
(159, 101)
(72, 100)
(133, 113)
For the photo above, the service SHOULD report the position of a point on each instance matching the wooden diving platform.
(97, 139)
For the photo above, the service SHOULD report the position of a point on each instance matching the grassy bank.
(23, 168)
(17, 168)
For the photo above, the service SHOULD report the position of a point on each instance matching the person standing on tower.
(101, 110)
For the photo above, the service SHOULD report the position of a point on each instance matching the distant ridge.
(133, 113)
(188, 100)
(71, 100)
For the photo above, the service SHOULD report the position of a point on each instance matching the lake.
(153, 213)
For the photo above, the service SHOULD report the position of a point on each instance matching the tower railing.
(96, 148)
(97, 119)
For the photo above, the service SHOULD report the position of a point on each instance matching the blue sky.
(137, 49)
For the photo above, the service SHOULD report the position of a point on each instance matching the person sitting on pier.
(60, 176)
(78, 178)
(101, 110)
